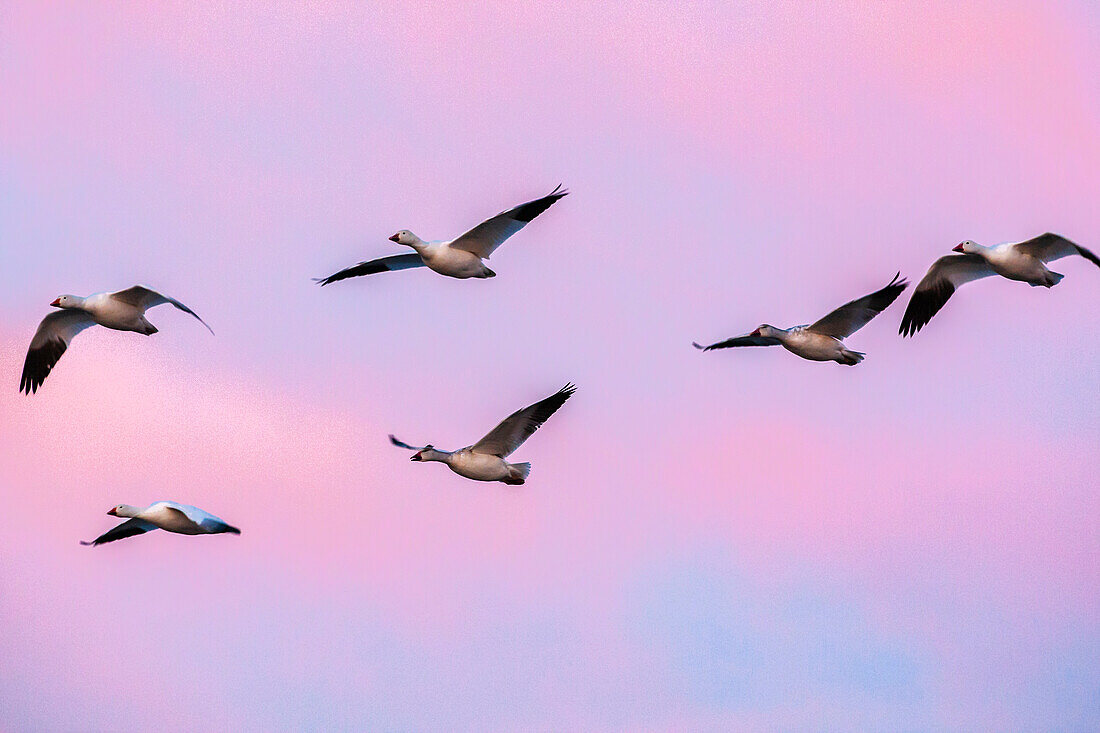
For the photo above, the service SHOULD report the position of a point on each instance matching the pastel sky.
(737, 540)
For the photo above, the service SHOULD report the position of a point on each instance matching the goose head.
(67, 301)
(766, 331)
(967, 247)
(407, 238)
(123, 510)
(420, 454)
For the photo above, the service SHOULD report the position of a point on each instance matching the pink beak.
(112, 512)
(393, 238)
(56, 303)
(957, 248)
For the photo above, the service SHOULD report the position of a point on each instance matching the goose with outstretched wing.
(485, 459)
(1025, 261)
(462, 256)
(121, 311)
(823, 340)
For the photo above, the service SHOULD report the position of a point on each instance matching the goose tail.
(850, 358)
(518, 474)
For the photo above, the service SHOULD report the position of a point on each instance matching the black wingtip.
(923, 307)
(895, 286)
(402, 444)
(908, 326)
(528, 211)
(568, 390)
(39, 363)
(699, 346)
(1088, 255)
(88, 544)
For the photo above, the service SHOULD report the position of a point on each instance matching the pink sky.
(736, 540)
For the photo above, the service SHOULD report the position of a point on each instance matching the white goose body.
(177, 518)
(1010, 262)
(482, 467)
(458, 263)
(113, 313)
(801, 341)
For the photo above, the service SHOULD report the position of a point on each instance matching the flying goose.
(461, 257)
(822, 341)
(484, 460)
(166, 515)
(1024, 261)
(122, 311)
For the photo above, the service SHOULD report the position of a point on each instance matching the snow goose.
(823, 340)
(166, 515)
(461, 257)
(122, 311)
(1024, 261)
(484, 460)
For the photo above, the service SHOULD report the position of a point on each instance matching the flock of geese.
(463, 257)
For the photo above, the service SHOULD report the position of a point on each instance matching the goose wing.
(518, 427)
(1048, 247)
(483, 239)
(50, 341)
(143, 298)
(129, 528)
(850, 317)
(370, 267)
(740, 341)
(406, 446)
(942, 279)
